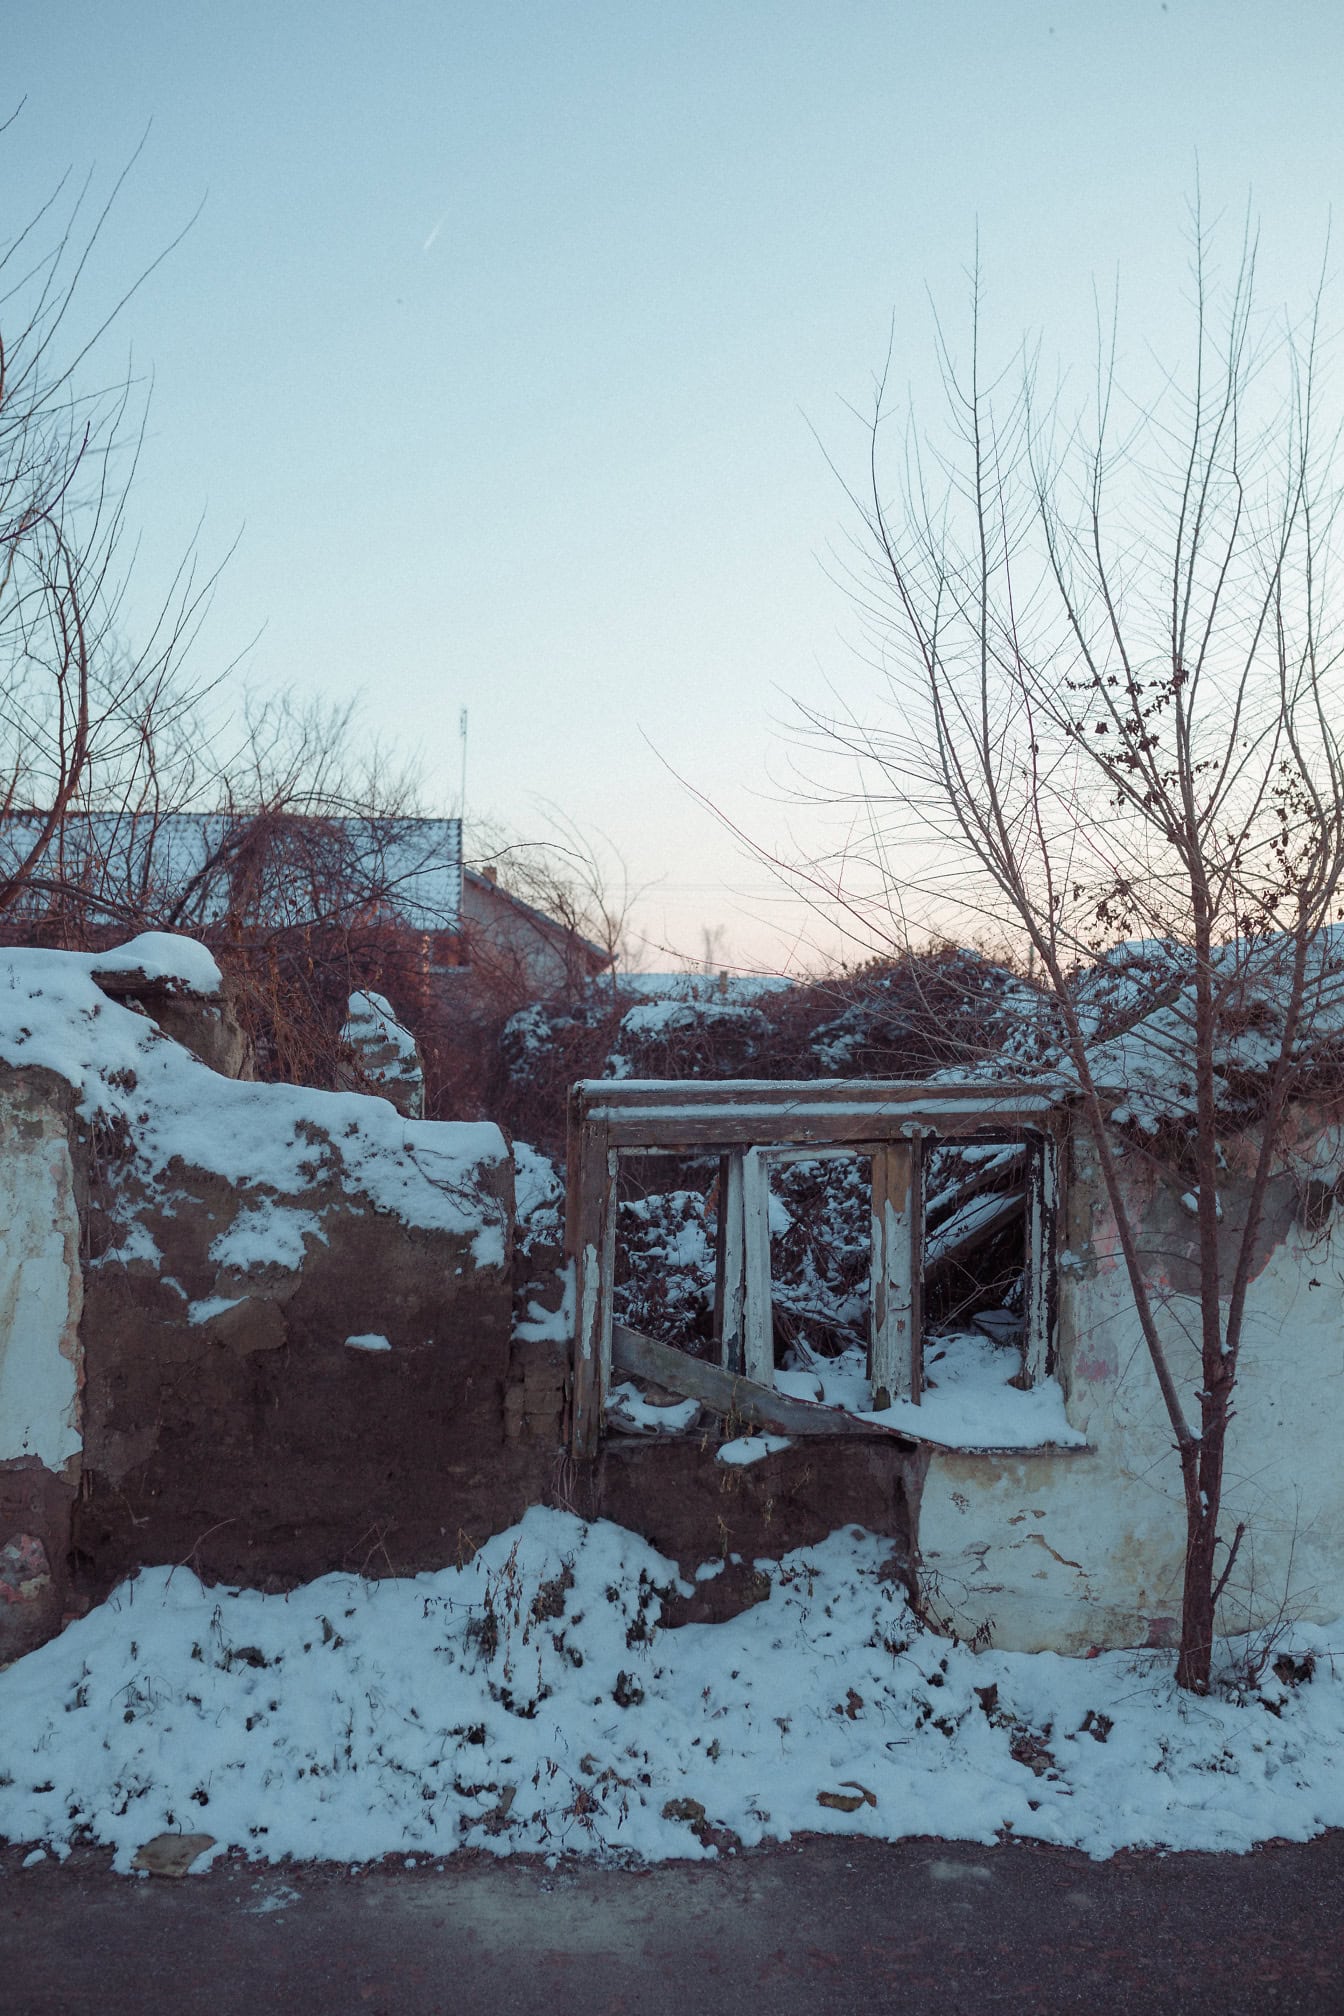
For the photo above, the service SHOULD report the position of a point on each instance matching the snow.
(665, 1264)
(550, 1326)
(531, 1701)
(210, 1306)
(704, 986)
(744, 1449)
(1139, 1010)
(164, 956)
(967, 1401)
(537, 1186)
(261, 1235)
(385, 1050)
(653, 1023)
(371, 1017)
(368, 1340)
(661, 1018)
(539, 1220)
(269, 1140)
(628, 1409)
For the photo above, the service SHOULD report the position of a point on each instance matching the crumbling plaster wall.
(284, 1358)
(41, 1294)
(339, 1405)
(1066, 1550)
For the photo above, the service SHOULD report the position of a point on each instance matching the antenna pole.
(462, 736)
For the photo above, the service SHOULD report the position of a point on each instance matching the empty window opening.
(821, 1254)
(975, 1259)
(664, 1261)
(801, 1254)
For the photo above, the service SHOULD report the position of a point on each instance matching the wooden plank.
(590, 1224)
(895, 1355)
(731, 1263)
(574, 1121)
(971, 1227)
(607, 1295)
(737, 1399)
(918, 1167)
(581, 1410)
(785, 1152)
(758, 1314)
(720, 1252)
(741, 1125)
(632, 1093)
(894, 1098)
(669, 1113)
(780, 1100)
(1039, 1299)
(995, 1172)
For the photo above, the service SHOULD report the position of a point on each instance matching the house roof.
(186, 868)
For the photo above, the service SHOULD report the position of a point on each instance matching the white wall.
(41, 1289)
(1066, 1551)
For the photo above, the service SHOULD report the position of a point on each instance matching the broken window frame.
(753, 1126)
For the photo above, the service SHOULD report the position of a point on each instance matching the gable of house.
(520, 942)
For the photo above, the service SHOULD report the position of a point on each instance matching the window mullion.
(758, 1323)
(730, 1270)
(895, 1321)
(1038, 1338)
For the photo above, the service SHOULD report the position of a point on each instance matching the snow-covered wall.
(267, 1328)
(1071, 1549)
(264, 1313)
(165, 1110)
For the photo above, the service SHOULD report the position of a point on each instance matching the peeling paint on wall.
(41, 1290)
(1063, 1552)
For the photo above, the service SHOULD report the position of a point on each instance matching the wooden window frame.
(754, 1126)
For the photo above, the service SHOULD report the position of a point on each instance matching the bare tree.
(1113, 677)
(82, 718)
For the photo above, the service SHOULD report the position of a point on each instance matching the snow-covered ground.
(531, 1701)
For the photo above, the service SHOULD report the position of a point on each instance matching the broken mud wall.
(277, 1389)
(255, 1327)
(267, 1331)
(717, 1520)
(1065, 1549)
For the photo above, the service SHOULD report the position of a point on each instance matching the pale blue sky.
(502, 327)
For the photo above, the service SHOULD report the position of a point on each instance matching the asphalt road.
(820, 1926)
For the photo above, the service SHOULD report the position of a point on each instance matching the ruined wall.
(336, 1405)
(1066, 1550)
(269, 1332)
(702, 1513)
(259, 1328)
(40, 1363)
